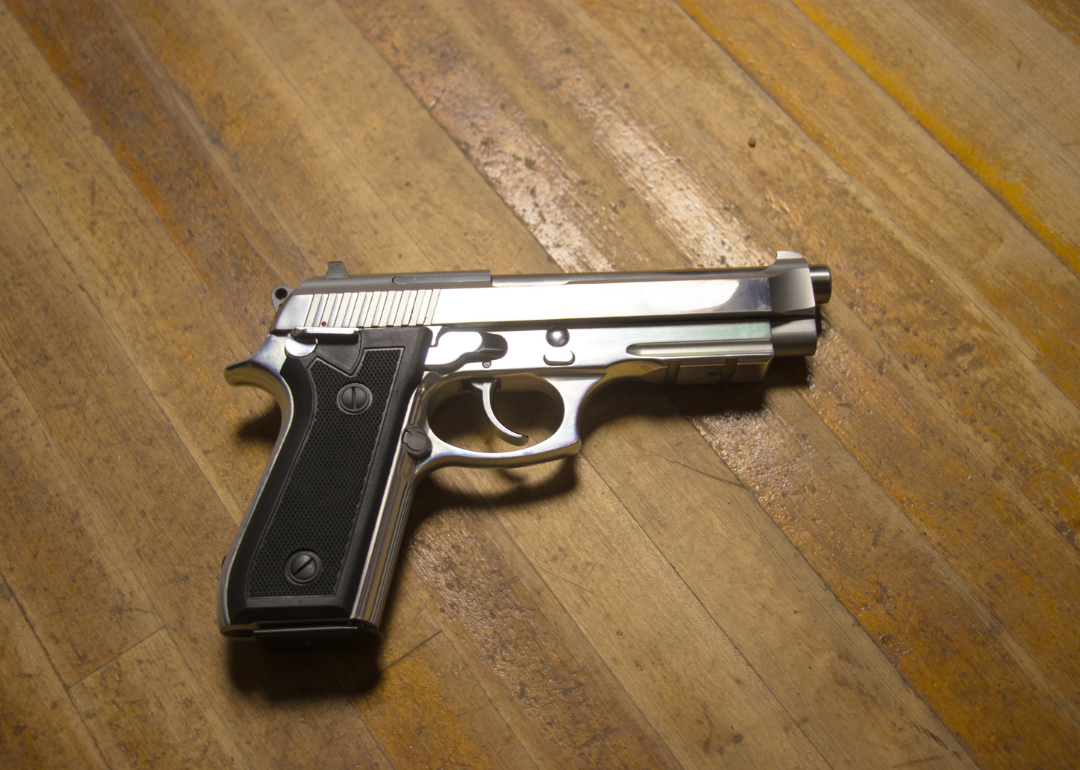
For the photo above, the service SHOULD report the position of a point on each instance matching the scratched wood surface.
(869, 560)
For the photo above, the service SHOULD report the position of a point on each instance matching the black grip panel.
(301, 556)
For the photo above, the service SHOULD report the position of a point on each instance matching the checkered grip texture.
(318, 507)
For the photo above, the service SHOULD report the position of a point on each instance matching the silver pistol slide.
(358, 364)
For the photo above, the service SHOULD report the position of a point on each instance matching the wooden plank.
(160, 510)
(256, 110)
(70, 579)
(704, 664)
(106, 76)
(1010, 45)
(598, 692)
(1021, 151)
(414, 167)
(449, 64)
(39, 726)
(412, 710)
(69, 179)
(417, 689)
(246, 671)
(133, 291)
(988, 689)
(325, 151)
(828, 674)
(540, 169)
(1063, 14)
(140, 723)
(525, 651)
(986, 253)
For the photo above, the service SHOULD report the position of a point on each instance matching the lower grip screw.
(303, 567)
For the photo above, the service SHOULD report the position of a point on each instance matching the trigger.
(487, 390)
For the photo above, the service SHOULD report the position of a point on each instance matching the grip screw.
(354, 398)
(303, 567)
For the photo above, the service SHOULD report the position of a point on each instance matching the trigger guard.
(563, 442)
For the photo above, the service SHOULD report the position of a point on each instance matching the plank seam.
(720, 628)
(52, 666)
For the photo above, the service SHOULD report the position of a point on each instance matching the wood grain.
(868, 560)
(859, 432)
(1019, 141)
(138, 723)
(154, 281)
(71, 578)
(983, 251)
(39, 726)
(1062, 14)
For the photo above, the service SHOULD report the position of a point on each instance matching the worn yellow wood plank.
(416, 691)
(39, 726)
(160, 510)
(146, 710)
(527, 654)
(1018, 144)
(705, 665)
(70, 579)
(873, 256)
(184, 68)
(207, 223)
(412, 165)
(920, 464)
(124, 264)
(290, 149)
(988, 254)
(986, 687)
(409, 704)
(136, 289)
(1063, 14)
(245, 107)
(828, 674)
(1010, 45)
(540, 168)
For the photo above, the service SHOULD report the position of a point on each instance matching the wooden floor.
(868, 561)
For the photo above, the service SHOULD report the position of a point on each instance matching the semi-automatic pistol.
(358, 364)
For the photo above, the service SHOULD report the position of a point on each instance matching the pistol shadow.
(736, 401)
(434, 497)
(300, 676)
(723, 402)
(537, 415)
(262, 429)
(288, 677)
